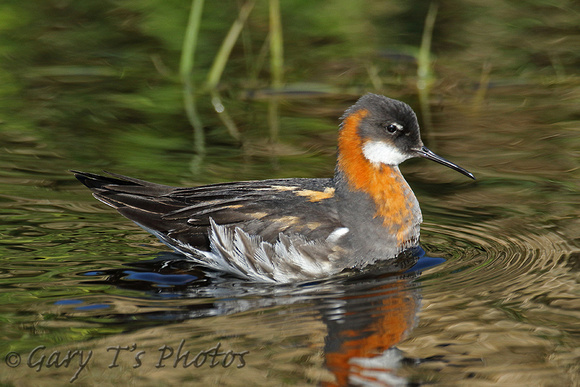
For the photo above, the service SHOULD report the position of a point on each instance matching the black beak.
(428, 154)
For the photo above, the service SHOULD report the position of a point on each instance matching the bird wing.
(272, 230)
(260, 208)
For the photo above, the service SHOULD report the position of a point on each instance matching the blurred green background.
(99, 84)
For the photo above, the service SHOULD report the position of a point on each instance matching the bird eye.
(391, 128)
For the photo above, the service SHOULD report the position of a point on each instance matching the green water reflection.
(95, 85)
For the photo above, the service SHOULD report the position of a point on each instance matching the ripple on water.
(497, 254)
(500, 307)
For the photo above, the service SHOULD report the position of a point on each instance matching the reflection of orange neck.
(389, 323)
(392, 196)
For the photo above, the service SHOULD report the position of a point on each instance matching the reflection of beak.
(428, 154)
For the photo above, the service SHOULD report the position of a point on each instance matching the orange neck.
(385, 185)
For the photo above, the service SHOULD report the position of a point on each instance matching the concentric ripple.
(507, 292)
(502, 254)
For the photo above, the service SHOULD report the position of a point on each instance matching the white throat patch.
(378, 152)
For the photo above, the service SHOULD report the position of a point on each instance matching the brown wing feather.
(263, 208)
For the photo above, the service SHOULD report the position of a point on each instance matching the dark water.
(490, 299)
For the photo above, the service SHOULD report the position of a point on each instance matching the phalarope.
(286, 230)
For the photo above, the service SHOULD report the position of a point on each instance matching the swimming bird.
(287, 230)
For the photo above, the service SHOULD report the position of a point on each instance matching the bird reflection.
(359, 345)
(366, 313)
